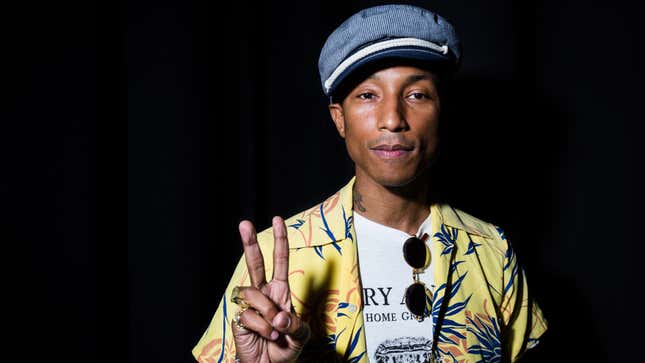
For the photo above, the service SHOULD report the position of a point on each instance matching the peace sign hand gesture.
(266, 328)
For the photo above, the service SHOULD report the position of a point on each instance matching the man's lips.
(391, 147)
(392, 151)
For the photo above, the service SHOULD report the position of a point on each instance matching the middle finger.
(280, 251)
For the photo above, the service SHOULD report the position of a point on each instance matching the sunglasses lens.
(415, 299)
(414, 252)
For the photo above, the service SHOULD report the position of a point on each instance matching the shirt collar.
(331, 221)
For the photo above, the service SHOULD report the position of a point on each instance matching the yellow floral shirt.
(480, 311)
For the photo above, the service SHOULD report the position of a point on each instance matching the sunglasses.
(418, 299)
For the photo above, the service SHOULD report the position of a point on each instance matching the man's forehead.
(408, 74)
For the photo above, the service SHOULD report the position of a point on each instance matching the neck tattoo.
(358, 201)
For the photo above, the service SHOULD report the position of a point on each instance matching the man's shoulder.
(472, 225)
(481, 235)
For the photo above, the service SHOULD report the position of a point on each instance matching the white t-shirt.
(392, 334)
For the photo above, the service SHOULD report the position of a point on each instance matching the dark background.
(136, 136)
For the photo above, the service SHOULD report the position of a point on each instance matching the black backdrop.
(136, 138)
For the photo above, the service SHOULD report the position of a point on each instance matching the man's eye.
(366, 96)
(419, 95)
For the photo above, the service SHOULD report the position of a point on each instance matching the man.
(379, 271)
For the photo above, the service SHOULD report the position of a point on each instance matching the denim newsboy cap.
(386, 32)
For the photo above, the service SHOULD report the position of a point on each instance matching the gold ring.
(236, 318)
(237, 300)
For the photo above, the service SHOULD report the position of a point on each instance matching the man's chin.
(395, 181)
(400, 180)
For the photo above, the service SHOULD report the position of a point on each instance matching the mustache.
(390, 139)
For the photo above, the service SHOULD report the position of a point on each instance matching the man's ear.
(336, 112)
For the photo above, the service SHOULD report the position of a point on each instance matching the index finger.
(280, 250)
(252, 253)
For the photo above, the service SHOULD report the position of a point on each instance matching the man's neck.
(403, 208)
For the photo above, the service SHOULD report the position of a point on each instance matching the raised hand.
(267, 329)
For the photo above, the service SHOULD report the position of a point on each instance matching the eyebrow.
(418, 77)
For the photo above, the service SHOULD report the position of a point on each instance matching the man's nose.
(393, 115)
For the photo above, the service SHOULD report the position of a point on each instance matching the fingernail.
(274, 335)
(288, 323)
(282, 323)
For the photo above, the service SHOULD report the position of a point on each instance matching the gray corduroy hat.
(387, 32)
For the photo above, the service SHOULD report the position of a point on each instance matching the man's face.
(390, 124)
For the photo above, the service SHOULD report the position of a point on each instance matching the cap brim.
(423, 57)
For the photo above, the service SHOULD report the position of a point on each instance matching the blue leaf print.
(447, 239)
(342, 305)
(298, 224)
(337, 247)
(352, 346)
(454, 289)
(318, 250)
(471, 247)
(444, 336)
(510, 256)
(356, 359)
(449, 326)
(488, 336)
(511, 279)
(348, 225)
(453, 267)
(512, 263)
(501, 233)
(456, 308)
(457, 285)
(328, 231)
(330, 341)
(221, 356)
(340, 333)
